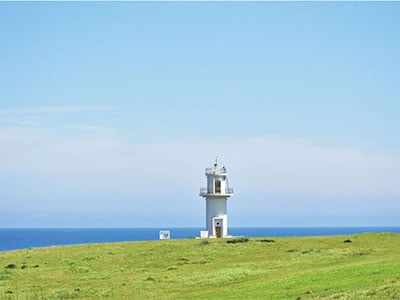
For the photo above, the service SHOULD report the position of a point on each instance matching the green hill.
(365, 266)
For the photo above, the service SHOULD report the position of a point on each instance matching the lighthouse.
(216, 195)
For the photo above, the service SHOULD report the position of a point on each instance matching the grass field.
(365, 266)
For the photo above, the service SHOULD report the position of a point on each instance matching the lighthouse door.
(218, 227)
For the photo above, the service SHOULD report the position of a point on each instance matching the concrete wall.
(216, 207)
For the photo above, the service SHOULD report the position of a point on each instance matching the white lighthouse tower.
(216, 195)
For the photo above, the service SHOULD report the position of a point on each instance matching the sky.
(110, 112)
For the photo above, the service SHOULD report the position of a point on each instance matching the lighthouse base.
(217, 226)
(204, 235)
(223, 237)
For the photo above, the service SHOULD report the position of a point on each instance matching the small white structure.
(165, 235)
(216, 195)
(203, 234)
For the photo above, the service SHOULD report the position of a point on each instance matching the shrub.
(183, 259)
(347, 241)
(11, 266)
(150, 279)
(238, 240)
(291, 250)
(267, 241)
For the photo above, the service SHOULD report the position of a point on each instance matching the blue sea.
(13, 239)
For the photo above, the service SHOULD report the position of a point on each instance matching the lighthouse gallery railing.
(227, 191)
(216, 171)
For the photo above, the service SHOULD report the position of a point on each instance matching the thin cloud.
(72, 108)
(43, 116)
(260, 166)
(53, 109)
(85, 127)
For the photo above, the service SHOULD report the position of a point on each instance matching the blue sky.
(109, 112)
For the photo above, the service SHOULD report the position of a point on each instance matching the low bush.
(267, 241)
(150, 279)
(11, 266)
(291, 250)
(238, 240)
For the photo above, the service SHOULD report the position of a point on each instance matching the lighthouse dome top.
(215, 170)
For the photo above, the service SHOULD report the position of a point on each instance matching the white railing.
(205, 192)
(216, 171)
(229, 190)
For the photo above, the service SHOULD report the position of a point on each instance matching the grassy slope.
(289, 268)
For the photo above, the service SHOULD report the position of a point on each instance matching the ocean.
(13, 239)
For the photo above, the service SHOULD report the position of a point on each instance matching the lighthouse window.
(217, 186)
